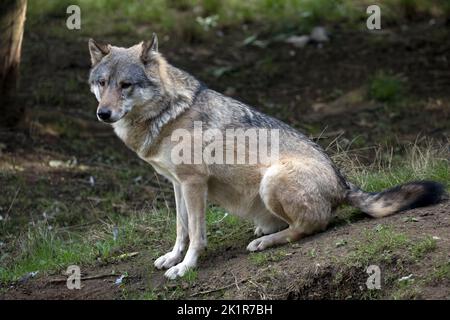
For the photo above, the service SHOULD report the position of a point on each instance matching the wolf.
(145, 99)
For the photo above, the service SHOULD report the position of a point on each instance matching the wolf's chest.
(121, 130)
(164, 170)
(136, 137)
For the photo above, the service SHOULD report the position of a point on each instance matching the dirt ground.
(300, 86)
(228, 273)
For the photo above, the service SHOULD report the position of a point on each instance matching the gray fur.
(290, 197)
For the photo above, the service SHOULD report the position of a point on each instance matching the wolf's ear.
(98, 51)
(148, 48)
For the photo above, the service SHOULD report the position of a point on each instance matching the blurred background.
(377, 100)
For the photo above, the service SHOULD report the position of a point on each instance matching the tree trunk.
(12, 20)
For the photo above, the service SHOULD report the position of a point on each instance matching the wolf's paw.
(259, 232)
(177, 271)
(168, 260)
(258, 244)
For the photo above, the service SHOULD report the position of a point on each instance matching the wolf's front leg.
(173, 257)
(194, 194)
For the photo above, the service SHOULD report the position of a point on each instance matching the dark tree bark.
(12, 20)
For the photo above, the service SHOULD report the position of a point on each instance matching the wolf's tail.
(406, 196)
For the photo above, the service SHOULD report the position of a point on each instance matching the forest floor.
(72, 193)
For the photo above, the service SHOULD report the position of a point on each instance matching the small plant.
(441, 272)
(382, 242)
(263, 258)
(148, 295)
(190, 276)
(259, 258)
(386, 88)
(208, 23)
(312, 253)
(378, 244)
(422, 247)
(406, 290)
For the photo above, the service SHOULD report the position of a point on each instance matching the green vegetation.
(416, 162)
(193, 18)
(423, 247)
(190, 276)
(406, 290)
(46, 248)
(147, 295)
(382, 243)
(412, 289)
(43, 248)
(377, 245)
(441, 272)
(225, 230)
(386, 88)
(264, 258)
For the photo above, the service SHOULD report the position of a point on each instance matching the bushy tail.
(406, 196)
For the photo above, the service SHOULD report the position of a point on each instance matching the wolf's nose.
(104, 113)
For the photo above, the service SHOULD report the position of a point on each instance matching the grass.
(224, 230)
(382, 243)
(423, 161)
(441, 272)
(263, 258)
(190, 276)
(438, 274)
(415, 162)
(43, 249)
(387, 88)
(412, 289)
(53, 199)
(423, 247)
(193, 19)
(377, 245)
(406, 290)
(147, 295)
(383, 246)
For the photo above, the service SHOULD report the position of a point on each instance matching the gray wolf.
(145, 99)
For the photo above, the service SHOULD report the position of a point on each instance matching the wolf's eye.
(125, 85)
(101, 83)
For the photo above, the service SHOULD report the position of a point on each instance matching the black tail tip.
(433, 193)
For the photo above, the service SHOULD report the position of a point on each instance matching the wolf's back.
(406, 196)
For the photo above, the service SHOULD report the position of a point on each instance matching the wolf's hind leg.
(274, 239)
(294, 198)
(269, 225)
(294, 232)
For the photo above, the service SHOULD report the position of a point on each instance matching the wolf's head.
(125, 80)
